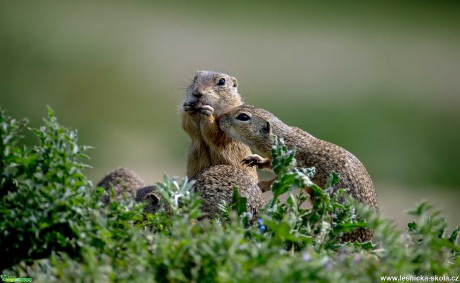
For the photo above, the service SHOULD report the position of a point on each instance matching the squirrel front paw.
(206, 110)
(189, 107)
(257, 160)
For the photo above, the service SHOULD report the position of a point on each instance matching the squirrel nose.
(197, 92)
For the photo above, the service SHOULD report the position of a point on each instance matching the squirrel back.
(127, 181)
(123, 180)
(216, 184)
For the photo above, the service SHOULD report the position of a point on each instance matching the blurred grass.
(378, 78)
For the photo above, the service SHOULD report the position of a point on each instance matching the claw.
(206, 110)
(256, 160)
(189, 107)
(249, 163)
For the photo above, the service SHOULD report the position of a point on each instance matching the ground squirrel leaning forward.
(210, 94)
(256, 127)
(216, 185)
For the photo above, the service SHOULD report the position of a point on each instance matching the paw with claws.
(189, 107)
(206, 110)
(257, 160)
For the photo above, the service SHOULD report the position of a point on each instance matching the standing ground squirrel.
(216, 185)
(209, 95)
(255, 127)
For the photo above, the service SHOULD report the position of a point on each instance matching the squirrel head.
(150, 196)
(250, 126)
(215, 89)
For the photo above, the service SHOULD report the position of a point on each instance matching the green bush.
(54, 228)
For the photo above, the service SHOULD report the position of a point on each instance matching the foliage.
(54, 228)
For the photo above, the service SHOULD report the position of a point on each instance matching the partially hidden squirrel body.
(126, 181)
(216, 185)
(209, 95)
(123, 181)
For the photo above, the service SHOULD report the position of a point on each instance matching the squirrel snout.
(197, 93)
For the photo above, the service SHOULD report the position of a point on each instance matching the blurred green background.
(379, 79)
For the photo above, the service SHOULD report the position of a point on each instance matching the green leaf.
(412, 226)
(332, 180)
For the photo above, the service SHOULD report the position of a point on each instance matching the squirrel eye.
(243, 117)
(221, 82)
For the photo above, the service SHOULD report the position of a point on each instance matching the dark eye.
(221, 82)
(243, 117)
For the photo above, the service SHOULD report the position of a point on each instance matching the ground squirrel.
(127, 181)
(151, 197)
(123, 180)
(216, 185)
(209, 95)
(255, 126)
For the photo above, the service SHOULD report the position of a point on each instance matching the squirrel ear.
(235, 82)
(267, 127)
(153, 199)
